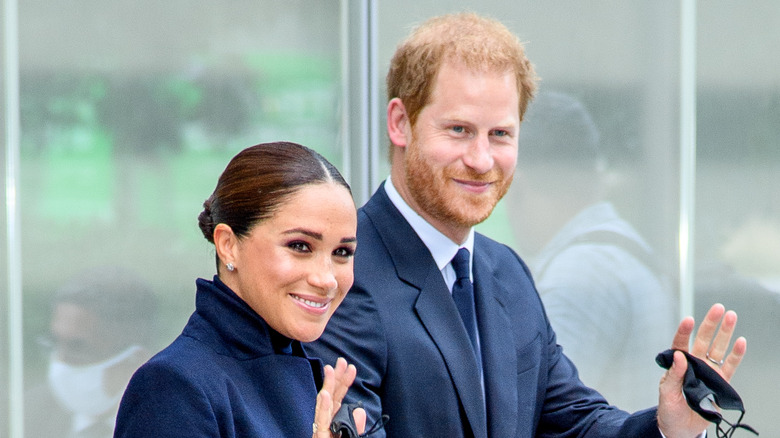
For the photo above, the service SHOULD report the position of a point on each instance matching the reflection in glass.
(606, 294)
(101, 329)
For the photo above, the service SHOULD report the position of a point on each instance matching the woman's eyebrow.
(312, 234)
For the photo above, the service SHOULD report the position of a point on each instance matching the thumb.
(323, 413)
(672, 381)
(359, 415)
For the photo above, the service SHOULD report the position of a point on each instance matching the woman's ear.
(398, 126)
(225, 242)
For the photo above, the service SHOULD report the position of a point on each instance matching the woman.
(283, 223)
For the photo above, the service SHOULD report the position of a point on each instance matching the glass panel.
(738, 217)
(593, 206)
(129, 113)
(4, 359)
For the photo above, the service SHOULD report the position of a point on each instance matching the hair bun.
(206, 222)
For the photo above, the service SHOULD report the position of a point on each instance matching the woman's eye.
(299, 246)
(344, 252)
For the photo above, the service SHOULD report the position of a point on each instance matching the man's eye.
(458, 129)
(500, 133)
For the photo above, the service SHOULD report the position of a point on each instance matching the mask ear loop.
(728, 433)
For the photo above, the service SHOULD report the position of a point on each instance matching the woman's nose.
(322, 277)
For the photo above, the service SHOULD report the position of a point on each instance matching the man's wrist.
(701, 435)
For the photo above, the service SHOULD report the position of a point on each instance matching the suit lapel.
(435, 308)
(499, 358)
(438, 314)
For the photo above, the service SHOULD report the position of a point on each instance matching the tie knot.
(461, 264)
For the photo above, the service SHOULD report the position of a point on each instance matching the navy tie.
(463, 294)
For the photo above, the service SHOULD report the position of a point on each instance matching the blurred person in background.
(102, 327)
(604, 289)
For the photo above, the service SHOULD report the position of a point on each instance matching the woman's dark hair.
(258, 181)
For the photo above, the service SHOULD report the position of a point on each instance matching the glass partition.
(130, 110)
(738, 196)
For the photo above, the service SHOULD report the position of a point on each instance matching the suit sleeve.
(568, 407)
(355, 333)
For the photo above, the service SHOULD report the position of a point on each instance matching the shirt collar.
(441, 247)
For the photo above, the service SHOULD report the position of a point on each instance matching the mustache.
(467, 174)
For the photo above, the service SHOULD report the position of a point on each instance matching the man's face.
(463, 148)
(79, 336)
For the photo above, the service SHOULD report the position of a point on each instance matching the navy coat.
(224, 376)
(400, 327)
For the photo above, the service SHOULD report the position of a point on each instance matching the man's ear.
(225, 242)
(399, 128)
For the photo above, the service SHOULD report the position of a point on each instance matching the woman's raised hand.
(334, 387)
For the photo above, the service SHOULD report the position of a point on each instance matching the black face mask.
(706, 391)
(343, 425)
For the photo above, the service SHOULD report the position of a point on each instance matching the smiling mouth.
(309, 303)
(470, 184)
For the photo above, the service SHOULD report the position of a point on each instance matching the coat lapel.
(435, 308)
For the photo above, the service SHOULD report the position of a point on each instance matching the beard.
(435, 192)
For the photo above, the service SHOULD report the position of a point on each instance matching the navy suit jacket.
(400, 327)
(222, 377)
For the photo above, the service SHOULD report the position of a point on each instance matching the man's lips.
(473, 186)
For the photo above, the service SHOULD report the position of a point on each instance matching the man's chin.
(471, 215)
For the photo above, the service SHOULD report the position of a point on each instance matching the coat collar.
(243, 333)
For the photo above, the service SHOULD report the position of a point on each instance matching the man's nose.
(479, 155)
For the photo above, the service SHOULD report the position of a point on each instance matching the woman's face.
(295, 267)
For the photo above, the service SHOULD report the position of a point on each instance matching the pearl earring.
(230, 267)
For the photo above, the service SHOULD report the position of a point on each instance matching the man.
(101, 328)
(604, 290)
(458, 88)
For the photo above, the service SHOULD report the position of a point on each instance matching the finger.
(359, 415)
(338, 390)
(347, 378)
(706, 332)
(732, 361)
(345, 375)
(339, 369)
(683, 336)
(341, 365)
(720, 345)
(323, 413)
(329, 380)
